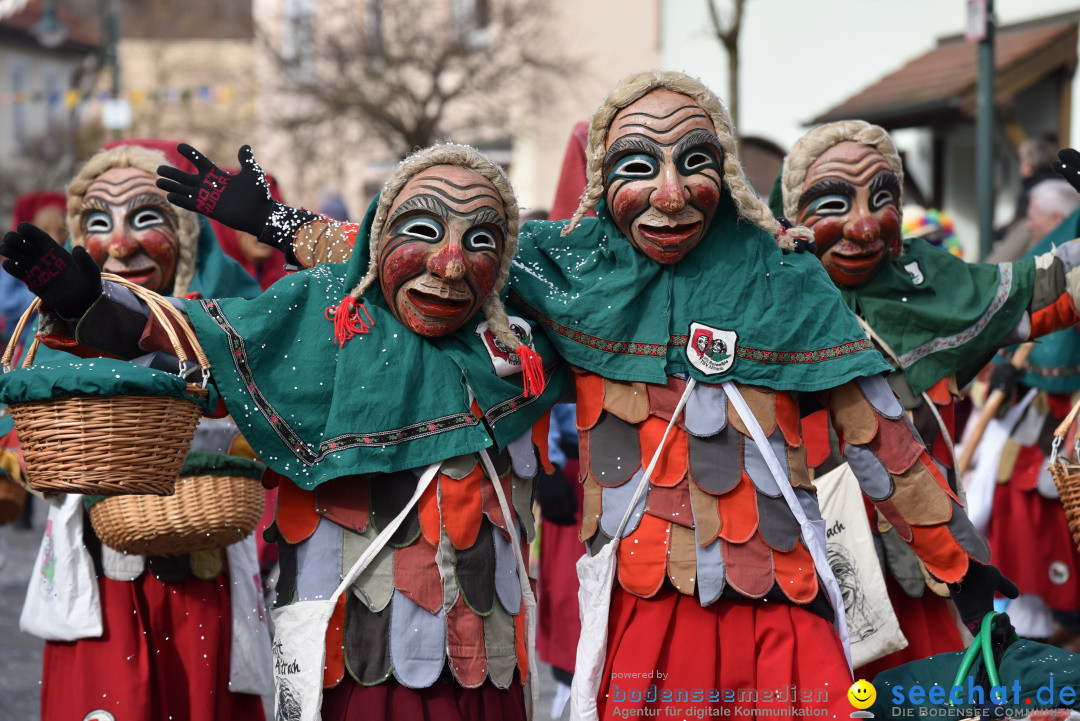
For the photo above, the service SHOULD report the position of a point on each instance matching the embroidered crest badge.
(915, 272)
(505, 360)
(710, 350)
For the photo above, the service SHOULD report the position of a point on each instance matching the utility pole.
(983, 10)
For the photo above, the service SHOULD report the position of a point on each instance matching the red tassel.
(533, 369)
(347, 320)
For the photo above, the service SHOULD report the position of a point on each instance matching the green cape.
(613, 311)
(940, 314)
(1054, 363)
(951, 321)
(387, 400)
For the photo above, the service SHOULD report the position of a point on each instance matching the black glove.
(238, 200)
(1069, 167)
(974, 595)
(1005, 377)
(555, 494)
(68, 282)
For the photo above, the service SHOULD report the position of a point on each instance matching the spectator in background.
(47, 209)
(1035, 155)
(332, 204)
(1051, 202)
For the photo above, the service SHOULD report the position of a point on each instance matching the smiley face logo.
(862, 694)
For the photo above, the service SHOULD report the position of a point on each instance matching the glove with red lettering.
(238, 200)
(68, 282)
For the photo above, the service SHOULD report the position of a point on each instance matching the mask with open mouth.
(662, 174)
(439, 252)
(850, 198)
(130, 229)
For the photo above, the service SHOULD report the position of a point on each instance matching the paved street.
(20, 653)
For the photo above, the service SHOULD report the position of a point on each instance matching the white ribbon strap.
(384, 536)
(644, 483)
(812, 535)
(528, 599)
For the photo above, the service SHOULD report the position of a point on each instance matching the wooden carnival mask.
(662, 174)
(439, 252)
(130, 228)
(849, 199)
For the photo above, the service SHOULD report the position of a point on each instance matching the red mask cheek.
(98, 248)
(705, 195)
(628, 202)
(826, 232)
(163, 247)
(889, 220)
(401, 264)
(482, 270)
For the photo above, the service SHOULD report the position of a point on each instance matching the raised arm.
(911, 494)
(96, 314)
(242, 201)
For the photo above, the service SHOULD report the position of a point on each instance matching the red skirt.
(163, 653)
(558, 621)
(670, 654)
(389, 701)
(926, 622)
(1031, 544)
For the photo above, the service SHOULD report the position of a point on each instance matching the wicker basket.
(1066, 473)
(206, 512)
(109, 445)
(12, 499)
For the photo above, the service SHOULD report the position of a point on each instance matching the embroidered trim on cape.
(953, 341)
(303, 451)
(680, 341)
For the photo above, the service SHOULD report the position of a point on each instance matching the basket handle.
(1063, 429)
(13, 342)
(161, 309)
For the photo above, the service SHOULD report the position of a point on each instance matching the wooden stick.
(990, 409)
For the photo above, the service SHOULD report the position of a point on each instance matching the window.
(298, 40)
(20, 105)
(472, 18)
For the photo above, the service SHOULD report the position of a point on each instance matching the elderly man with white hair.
(1052, 201)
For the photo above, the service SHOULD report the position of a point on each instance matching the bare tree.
(728, 35)
(412, 72)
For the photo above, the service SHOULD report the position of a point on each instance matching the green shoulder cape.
(778, 318)
(939, 314)
(387, 400)
(1054, 363)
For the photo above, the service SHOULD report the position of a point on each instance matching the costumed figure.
(691, 331)
(350, 379)
(157, 637)
(936, 318)
(1028, 532)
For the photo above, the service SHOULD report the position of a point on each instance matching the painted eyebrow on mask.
(830, 186)
(441, 209)
(884, 181)
(698, 137)
(629, 143)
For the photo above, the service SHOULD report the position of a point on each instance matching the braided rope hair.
(747, 203)
(463, 156)
(148, 159)
(811, 146)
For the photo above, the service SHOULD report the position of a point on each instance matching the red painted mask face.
(850, 199)
(662, 176)
(130, 228)
(440, 249)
